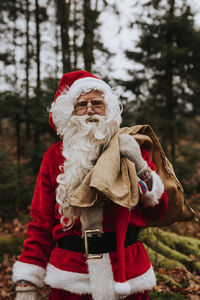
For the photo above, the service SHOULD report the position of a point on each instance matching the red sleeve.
(146, 156)
(157, 211)
(39, 244)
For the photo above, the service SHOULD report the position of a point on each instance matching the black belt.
(97, 243)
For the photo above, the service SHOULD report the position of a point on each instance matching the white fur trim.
(101, 278)
(90, 82)
(152, 197)
(68, 281)
(143, 282)
(100, 270)
(80, 283)
(122, 288)
(29, 272)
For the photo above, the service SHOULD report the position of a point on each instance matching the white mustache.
(86, 118)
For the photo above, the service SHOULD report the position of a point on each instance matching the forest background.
(157, 80)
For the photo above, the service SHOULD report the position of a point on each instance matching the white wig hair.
(63, 108)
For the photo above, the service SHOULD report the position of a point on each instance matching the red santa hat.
(74, 83)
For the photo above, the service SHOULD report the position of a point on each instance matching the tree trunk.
(18, 139)
(63, 18)
(27, 70)
(57, 48)
(38, 86)
(75, 50)
(37, 23)
(171, 112)
(17, 116)
(88, 43)
(96, 5)
(170, 92)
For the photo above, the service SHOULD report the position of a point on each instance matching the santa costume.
(89, 252)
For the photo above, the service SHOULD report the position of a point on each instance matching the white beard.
(83, 140)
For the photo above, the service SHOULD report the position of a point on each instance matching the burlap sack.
(178, 208)
(114, 178)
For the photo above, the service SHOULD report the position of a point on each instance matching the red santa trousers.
(63, 295)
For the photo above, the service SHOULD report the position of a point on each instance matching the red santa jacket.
(42, 261)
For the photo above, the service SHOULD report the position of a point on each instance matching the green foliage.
(11, 105)
(14, 193)
(187, 165)
(35, 154)
(166, 295)
(10, 245)
(18, 111)
(165, 83)
(9, 182)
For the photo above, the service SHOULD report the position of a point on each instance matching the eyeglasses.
(96, 105)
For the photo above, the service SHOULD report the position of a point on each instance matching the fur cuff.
(67, 281)
(152, 197)
(143, 282)
(26, 296)
(29, 272)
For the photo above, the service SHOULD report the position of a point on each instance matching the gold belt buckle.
(91, 256)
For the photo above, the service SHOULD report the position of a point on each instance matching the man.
(115, 265)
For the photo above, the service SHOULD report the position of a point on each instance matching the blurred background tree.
(29, 84)
(164, 84)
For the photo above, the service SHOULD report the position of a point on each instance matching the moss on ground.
(167, 296)
(169, 281)
(185, 245)
(160, 261)
(154, 239)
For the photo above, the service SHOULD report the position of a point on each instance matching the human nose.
(90, 110)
